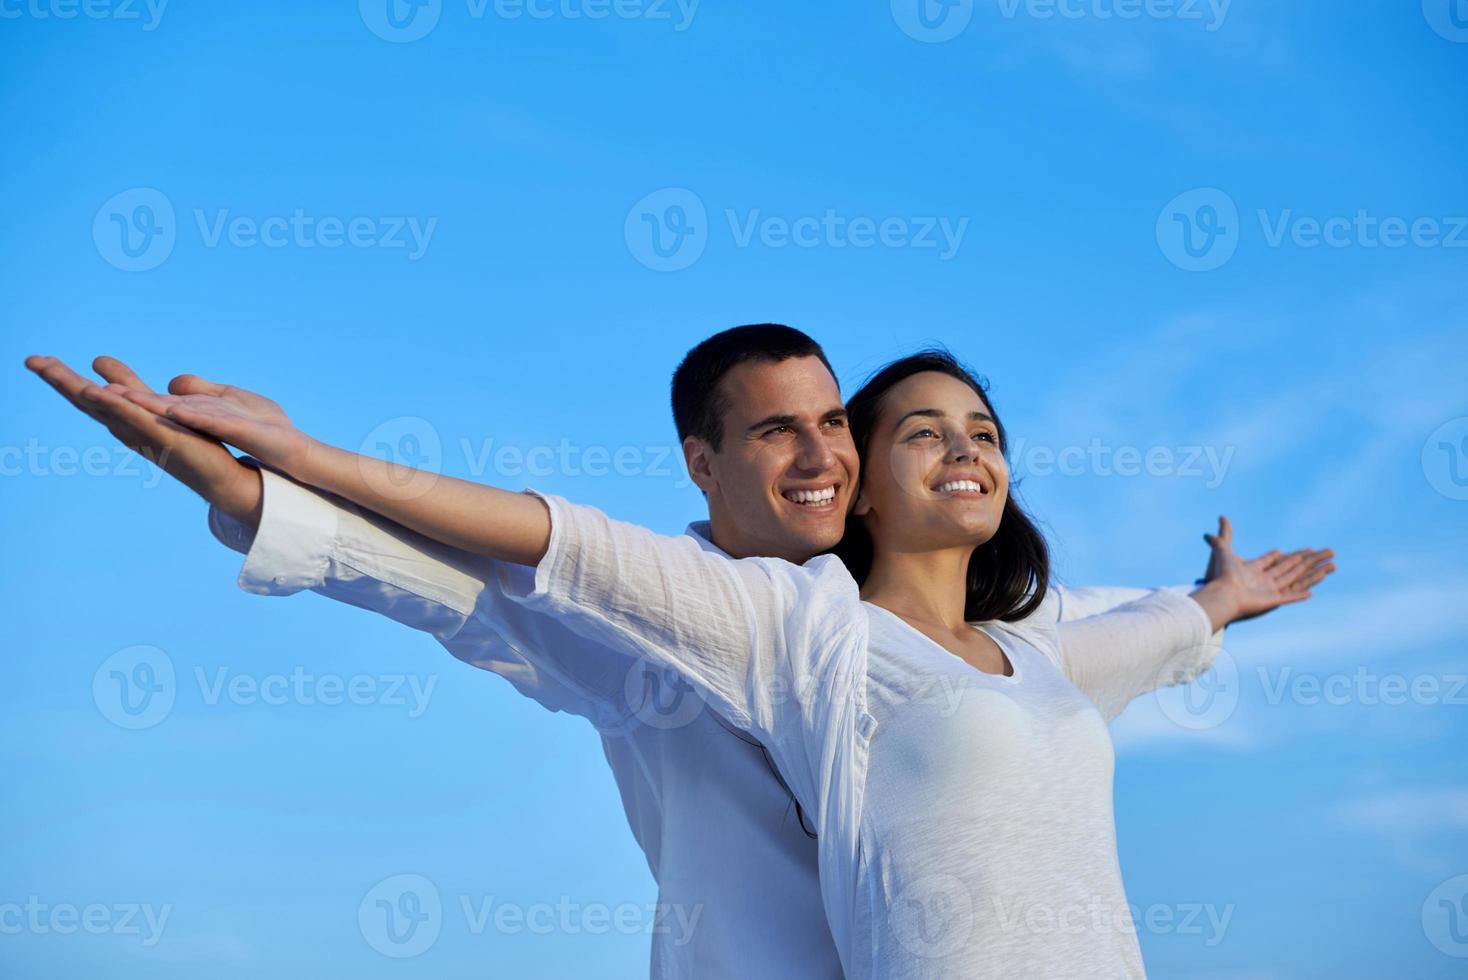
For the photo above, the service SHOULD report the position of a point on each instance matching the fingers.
(1314, 578)
(1318, 566)
(196, 413)
(152, 402)
(119, 373)
(67, 382)
(1269, 559)
(1288, 568)
(111, 401)
(1223, 540)
(192, 384)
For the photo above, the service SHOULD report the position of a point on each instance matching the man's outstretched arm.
(474, 517)
(296, 537)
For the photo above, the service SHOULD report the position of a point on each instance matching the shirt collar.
(703, 533)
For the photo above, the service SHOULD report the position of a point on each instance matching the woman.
(952, 752)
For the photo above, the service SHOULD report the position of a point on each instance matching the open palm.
(1258, 585)
(243, 419)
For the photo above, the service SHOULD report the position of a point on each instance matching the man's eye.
(778, 429)
(836, 423)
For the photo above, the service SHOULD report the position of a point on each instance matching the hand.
(241, 418)
(197, 461)
(1253, 587)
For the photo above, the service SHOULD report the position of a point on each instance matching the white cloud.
(1407, 811)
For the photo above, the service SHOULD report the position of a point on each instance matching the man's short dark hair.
(698, 398)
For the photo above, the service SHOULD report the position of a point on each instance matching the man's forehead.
(797, 386)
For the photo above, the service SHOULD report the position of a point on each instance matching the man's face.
(781, 483)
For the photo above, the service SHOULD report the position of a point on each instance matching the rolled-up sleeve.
(311, 539)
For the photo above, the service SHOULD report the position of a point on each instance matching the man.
(764, 437)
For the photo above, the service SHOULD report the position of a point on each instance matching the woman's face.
(933, 476)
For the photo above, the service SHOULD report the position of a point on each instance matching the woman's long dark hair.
(1009, 574)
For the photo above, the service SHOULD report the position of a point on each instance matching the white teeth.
(811, 497)
(955, 485)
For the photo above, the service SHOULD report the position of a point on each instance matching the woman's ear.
(862, 507)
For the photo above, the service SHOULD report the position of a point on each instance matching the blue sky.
(1211, 256)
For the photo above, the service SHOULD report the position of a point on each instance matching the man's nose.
(815, 453)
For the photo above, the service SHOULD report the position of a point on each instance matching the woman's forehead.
(934, 390)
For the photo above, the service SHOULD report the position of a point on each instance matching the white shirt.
(965, 818)
(729, 849)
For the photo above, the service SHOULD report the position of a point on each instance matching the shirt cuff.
(290, 549)
(550, 575)
(1203, 644)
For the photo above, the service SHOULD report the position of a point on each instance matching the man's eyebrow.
(770, 421)
(938, 413)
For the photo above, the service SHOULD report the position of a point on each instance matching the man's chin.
(814, 540)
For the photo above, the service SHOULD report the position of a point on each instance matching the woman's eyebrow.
(938, 413)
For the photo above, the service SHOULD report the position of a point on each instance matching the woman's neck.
(921, 586)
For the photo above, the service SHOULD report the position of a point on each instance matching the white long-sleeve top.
(716, 824)
(965, 818)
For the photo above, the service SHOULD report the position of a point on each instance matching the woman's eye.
(923, 432)
(985, 434)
